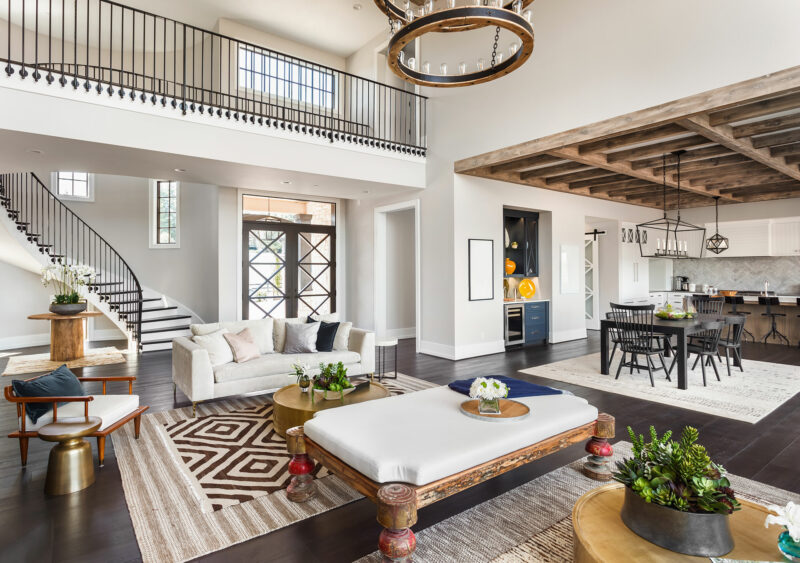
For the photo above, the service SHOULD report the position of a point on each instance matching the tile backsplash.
(744, 274)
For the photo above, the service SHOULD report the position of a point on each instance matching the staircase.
(54, 234)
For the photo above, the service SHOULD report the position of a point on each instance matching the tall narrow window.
(164, 214)
(77, 186)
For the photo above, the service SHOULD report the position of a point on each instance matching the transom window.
(74, 185)
(285, 79)
(164, 216)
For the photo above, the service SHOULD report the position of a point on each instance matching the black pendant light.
(668, 237)
(717, 243)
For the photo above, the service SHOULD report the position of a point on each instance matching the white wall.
(743, 211)
(400, 274)
(22, 295)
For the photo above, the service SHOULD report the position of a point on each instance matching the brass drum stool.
(70, 468)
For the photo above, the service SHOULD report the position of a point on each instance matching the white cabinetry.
(746, 238)
(634, 283)
(785, 237)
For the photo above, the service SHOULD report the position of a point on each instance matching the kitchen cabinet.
(785, 237)
(522, 228)
(745, 238)
(537, 322)
(634, 283)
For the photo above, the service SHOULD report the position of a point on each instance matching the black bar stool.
(770, 302)
(734, 302)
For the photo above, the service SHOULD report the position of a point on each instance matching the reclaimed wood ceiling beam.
(776, 139)
(637, 190)
(755, 109)
(766, 126)
(783, 150)
(620, 186)
(657, 148)
(615, 178)
(749, 180)
(575, 176)
(723, 134)
(668, 130)
(775, 186)
(525, 163)
(548, 171)
(707, 164)
(688, 156)
(735, 170)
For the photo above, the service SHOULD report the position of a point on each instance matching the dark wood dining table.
(681, 329)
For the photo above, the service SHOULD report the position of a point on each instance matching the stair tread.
(165, 329)
(169, 318)
(165, 341)
(159, 309)
(123, 292)
(145, 300)
(106, 283)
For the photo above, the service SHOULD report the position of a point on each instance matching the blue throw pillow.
(59, 383)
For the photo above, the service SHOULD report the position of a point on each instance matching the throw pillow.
(217, 347)
(301, 338)
(279, 332)
(260, 329)
(342, 340)
(242, 346)
(204, 329)
(326, 335)
(58, 383)
(328, 318)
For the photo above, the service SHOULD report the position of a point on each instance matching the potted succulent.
(301, 375)
(488, 391)
(675, 496)
(331, 382)
(67, 279)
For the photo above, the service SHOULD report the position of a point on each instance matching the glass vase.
(489, 406)
(304, 383)
(789, 547)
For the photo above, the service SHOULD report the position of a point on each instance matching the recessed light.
(357, 6)
(286, 182)
(180, 169)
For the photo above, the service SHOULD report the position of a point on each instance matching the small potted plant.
(675, 496)
(331, 382)
(789, 517)
(301, 375)
(488, 391)
(67, 279)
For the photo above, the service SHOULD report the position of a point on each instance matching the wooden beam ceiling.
(740, 142)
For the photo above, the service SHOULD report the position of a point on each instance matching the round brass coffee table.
(291, 407)
(600, 535)
(70, 467)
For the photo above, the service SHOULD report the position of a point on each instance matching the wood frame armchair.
(25, 435)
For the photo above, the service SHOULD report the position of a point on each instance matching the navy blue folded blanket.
(516, 387)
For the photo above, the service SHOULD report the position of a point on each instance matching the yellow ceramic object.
(527, 288)
(510, 266)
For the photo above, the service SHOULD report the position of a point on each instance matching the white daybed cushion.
(422, 437)
(110, 408)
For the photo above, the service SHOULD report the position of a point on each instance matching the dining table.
(681, 329)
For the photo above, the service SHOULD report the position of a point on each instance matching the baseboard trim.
(24, 341)
(107, 334)
(480, 349)
(401, 333)
(439, 350)
(567, 335)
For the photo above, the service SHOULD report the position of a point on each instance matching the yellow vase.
(527, 288)
(510, 266)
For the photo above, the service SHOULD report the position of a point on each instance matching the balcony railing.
(105, 48)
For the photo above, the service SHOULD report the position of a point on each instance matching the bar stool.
(734, 302)
(770, 302)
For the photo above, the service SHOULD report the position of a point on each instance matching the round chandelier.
(410, 20)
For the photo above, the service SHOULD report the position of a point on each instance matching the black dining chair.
(706, 348)
(707, 305)
(633, 328)
(731, 340)
(734, 301)
(769, 303)
(614, 339)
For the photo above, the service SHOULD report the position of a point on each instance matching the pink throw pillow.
(242, 345)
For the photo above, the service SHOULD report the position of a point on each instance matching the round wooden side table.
(291, 407)
(66, 334)
(599, 534)
(70, 468)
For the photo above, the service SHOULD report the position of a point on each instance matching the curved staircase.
(54, 234)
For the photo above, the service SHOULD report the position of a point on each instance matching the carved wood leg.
(302, 486)
(397, 512)
(101, 449)
(599, 449)
(137, 425)
(23, 450)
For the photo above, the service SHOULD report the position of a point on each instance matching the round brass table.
(70, 467)
(291, 407)
(599, 534)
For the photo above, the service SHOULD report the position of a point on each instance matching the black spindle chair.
(769, 303)
(731, 340)
(706, 348)
(633, 329)
(734, 301)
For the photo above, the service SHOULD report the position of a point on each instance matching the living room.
(251, 215)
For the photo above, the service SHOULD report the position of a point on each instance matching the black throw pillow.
(59, 383)
(326, 335)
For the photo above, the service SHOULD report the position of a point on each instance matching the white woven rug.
(748, 396)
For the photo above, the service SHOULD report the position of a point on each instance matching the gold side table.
(70, 468)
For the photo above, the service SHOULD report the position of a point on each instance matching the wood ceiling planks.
(741, 142)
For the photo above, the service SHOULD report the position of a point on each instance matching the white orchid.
(67, 278)
(787, 516)
(488, 388)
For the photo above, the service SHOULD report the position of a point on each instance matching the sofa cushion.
(219, 352)
(279, 332)
(242, 346)
(342, 340)
(272, 364)
(60, 382)
(110, 408)
(204, 329)
(326, 335)
(301, 338)
(260, 329)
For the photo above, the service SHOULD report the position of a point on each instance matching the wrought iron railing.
(66, 239)
(107, 48)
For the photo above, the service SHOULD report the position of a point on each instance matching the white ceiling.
(330, 25)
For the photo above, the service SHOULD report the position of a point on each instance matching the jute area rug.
(533, 522)
(748, 396)
(198, 485)
(36, 363)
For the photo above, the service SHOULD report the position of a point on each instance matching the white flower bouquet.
(301, 373)
(787, 516)
(67, 279)
(488, 391)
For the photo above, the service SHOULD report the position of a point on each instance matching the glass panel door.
(265, 285)
(315, 274)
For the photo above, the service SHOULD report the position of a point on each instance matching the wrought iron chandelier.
(411, 20)
(668, 237)
(717, 243)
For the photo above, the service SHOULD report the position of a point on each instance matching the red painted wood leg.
(599, 450)
(397, 512)
(302, 486)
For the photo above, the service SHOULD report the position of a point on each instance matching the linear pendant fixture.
(667, 237)
(717, 243)
(410, 20)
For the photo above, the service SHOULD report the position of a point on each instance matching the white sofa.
(194, 374)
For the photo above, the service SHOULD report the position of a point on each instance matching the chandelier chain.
(664, 183)
(494, 47)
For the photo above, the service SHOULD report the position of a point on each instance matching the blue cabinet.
(537, 322)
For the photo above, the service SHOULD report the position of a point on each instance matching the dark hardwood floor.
(94, 525)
